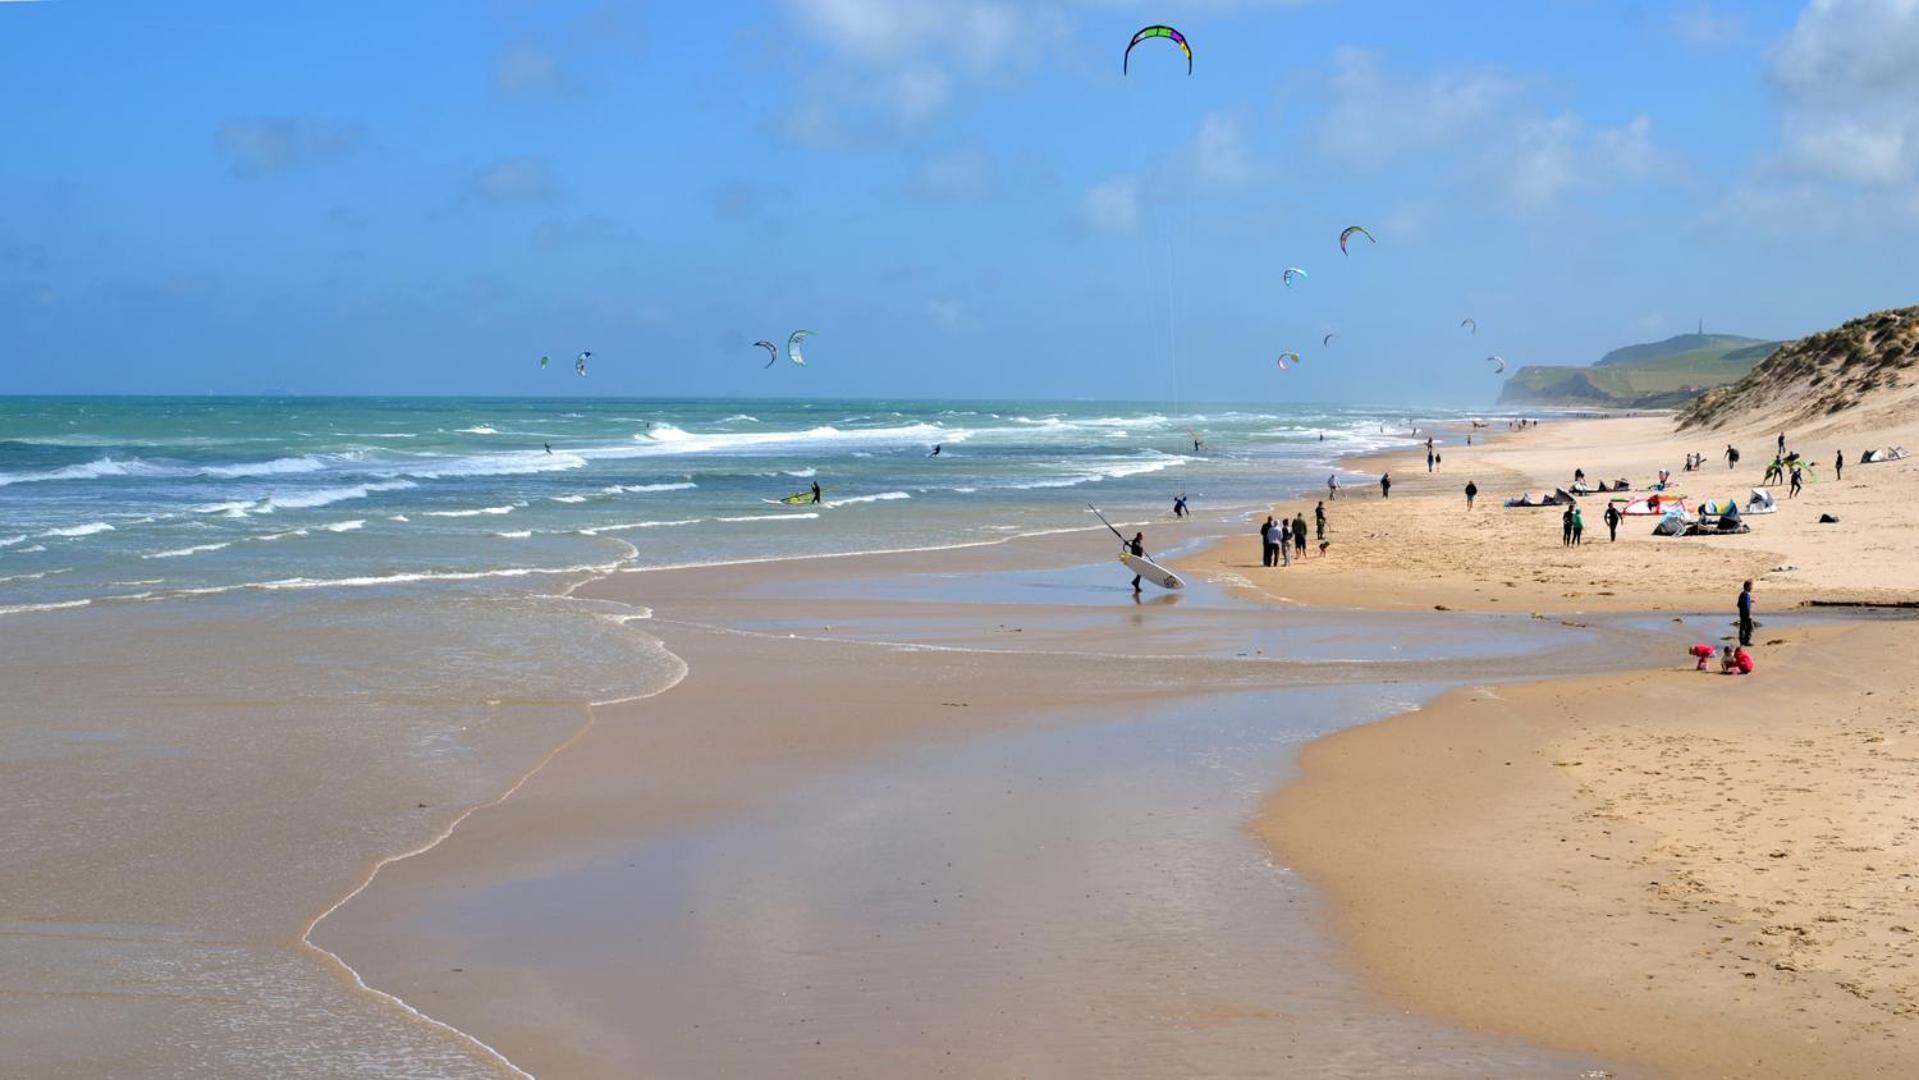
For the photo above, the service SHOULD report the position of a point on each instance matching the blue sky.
(962, 198)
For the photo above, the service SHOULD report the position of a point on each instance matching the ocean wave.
(741, 418)
(769, 517)
(476, 512)
(194, 550)
(567, 498)
(138, 468)
(803, 474)
(521, 534)
(34, 577)
(479, 429)
(598, 529)
(26, 609)
(1092, 472)
(281, 535)
(9, 541)
(669, 439)
(641, 489)
(310, 498)
(884, 496)
(88, 529)
(225, 509)
(344, 526)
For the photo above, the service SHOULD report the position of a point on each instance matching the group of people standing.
(1280, 540)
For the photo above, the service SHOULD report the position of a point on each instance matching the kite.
(1291, 273)
(1500, 361)
(772, 352)
(579, 363)
(793, 346)
(1470, 325)
(545, 360)
(1156, 32)
(1347, 234)
(1325, 341)
(1284, 355)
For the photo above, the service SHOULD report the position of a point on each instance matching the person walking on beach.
(1732, 456)
(1839, 466)
(1782, 442)
(1579, 526)
(1319, 521)
(1745, 614)
(1429, 456)
(1566, 528)
(1385, 485)
(1472, 492)
(1299, 534)
(1332, 486)
(1798, 478)
(816, 491)
(1267, 556)
(1137, 545)
(1612, 522)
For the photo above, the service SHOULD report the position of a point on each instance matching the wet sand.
(754, 866)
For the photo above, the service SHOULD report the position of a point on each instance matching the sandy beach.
(1705, 875)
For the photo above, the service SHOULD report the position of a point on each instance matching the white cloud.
(1111, 206)
(968, 172)
(1848, 76)
(895, 65)
(1703, 27)
(947, 314)
(1553, 158)
(527, 179)
(268, 145)
(1375, 117)
(526, 68)
(1219, 155)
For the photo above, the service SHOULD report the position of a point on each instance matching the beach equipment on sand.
(1644, 506)
(1760, 502)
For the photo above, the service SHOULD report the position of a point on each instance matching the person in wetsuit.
(816, 491)
(1137, 545)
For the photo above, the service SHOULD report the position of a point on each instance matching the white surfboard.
(1148, 570)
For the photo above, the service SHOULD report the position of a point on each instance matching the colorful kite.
(1284, 355)
(793, 346)
(772, 352)
(579, 363)
(1469, 325)
(1347, 234)
(1291, 273)
(545, 360)
(1156, 32)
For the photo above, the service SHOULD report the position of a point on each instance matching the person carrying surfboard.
(816, 491)
(1137, 545)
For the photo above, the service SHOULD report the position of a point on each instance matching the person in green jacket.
(1579, 526)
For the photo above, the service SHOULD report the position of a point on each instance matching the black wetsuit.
(816, 491)
(1138, 549)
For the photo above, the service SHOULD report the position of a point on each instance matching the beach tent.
(1760, 502)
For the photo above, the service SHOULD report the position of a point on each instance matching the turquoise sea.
(108, 501)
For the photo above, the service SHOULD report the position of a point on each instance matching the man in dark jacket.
(1745, 615)
(1612, 521)
(1268, 543)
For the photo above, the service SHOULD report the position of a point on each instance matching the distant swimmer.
(816, 491)
(936, 450)
(1197, 445)
(549, 447)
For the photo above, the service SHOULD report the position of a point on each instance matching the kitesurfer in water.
(1137, 545)
(816, 491)
(936, 450)
(549, 447)
(1179, 506)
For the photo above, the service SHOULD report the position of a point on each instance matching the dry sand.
(1421, 548)
(1710, 875)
